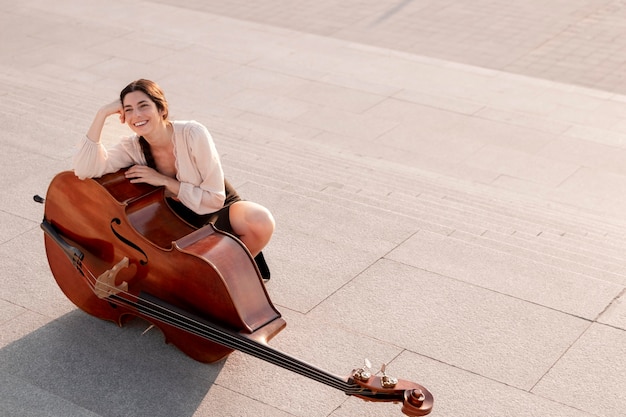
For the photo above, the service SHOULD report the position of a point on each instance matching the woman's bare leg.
(253, 223)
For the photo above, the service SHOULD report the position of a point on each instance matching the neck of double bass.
(171, 315)
(75, 255)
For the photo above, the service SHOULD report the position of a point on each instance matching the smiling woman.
(179, 156)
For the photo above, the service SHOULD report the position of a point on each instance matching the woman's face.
(141, 114)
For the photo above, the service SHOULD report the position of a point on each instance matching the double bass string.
(236, 341)
(158, 310)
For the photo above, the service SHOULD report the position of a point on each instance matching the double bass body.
(204, 272)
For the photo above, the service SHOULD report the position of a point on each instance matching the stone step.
(496, 215)
(432, 218)
(582, 262)
(550, 255)
(324, 172)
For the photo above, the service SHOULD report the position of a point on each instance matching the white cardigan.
(198, 166)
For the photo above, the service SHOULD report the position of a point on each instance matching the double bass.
(118, 251)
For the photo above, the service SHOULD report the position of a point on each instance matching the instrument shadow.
(82, 366)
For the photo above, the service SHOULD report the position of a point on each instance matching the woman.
(181, 157)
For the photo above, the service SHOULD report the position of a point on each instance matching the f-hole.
(116, 221)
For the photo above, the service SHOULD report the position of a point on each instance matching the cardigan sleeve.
(199, 170)
(92, 160)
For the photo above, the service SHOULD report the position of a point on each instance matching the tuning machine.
(363, 374)
(387, 381)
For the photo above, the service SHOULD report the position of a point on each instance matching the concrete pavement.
(453, 215)
(575, 42)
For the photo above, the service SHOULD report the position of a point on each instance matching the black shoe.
(262, 265)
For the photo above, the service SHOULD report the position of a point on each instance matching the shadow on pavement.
(80, 363)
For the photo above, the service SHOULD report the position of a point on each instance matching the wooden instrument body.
(205, 272)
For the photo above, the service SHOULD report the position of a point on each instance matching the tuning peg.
(387, 381)
(363, 374)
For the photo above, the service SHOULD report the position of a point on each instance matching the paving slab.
(479, 330)
(465, 393)
(88, 365)
(504, 273)
(588, 371)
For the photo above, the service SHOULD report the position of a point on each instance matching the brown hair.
(152, 90)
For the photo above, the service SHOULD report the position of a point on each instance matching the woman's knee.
(252, 218)
(263, 222)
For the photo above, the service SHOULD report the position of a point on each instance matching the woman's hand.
(113, 108)
(145, 174)
(98, 122)
(142, 173)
